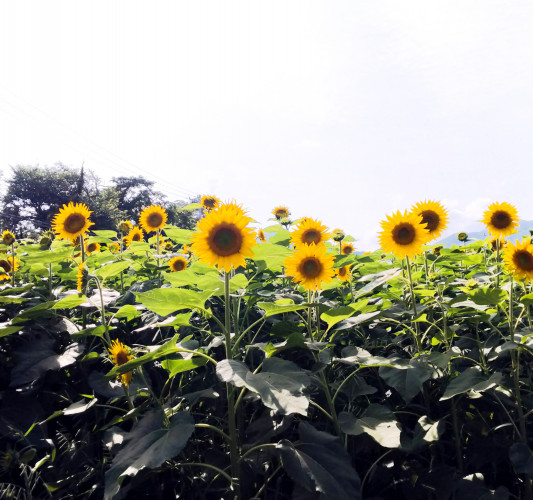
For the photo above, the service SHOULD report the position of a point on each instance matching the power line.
(108, 158)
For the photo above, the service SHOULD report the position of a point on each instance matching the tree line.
(34, 194)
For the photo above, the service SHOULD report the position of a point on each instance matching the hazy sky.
(343, 111)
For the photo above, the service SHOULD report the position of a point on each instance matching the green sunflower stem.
(84, 311)
(413, 303)
(13, 258)
(498, 263)
(232, 429)
(426, 270)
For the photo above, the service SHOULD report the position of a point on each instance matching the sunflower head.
(403, 234)
(518, 259)
(261, 236)
(92, 247)
(281, 212)
(347, 248)
(501, 219)
(4, 277)
(462, 237)
(209, 202)
(309, 231)
(136, 234)
(9, 264)
(177, 264)
(310, 266)
(82, 277)
(8, 237)
(344, 274)
(437, 249)
(497, 243)
(434, 217)
(153, 218)
(168, 246)
(71, 221)
(119, 355)
(124, 226)
(223, 238)
(186, 249)
(338, 235)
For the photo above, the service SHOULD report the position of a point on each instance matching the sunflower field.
(237, 362)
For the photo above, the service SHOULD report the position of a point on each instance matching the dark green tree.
(135, 193)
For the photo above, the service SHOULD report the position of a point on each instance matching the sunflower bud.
(436, 250)
(338, 235)
(124, 226)
(462, 237)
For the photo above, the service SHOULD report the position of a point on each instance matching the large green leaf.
(320, 466)
(148, 445)
(272, 255)
(336, 315)
(376, 280)
(488, 296)
(377, 421)
(165, 301)
(70, 301)
(408, 379)
(178, 235)
(280, 384)
(175, 366)
(110, 270)
(472, 379)
(282, 306)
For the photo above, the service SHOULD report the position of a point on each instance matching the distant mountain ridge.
(523, 230)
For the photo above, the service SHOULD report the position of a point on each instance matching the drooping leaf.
(128, 312)
(148, 445)
(175, 366)
(70, 301)
(522, 458)
(113, 269)
(273, 308)
(320, 465)
(376, 280)
(471, 379)
(408, 379)
(487, 296)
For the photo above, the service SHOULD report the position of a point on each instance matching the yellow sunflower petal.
(222, 239)
(403, 234)
(210, 202)
(501, 219)
(71, 221)
(8, 237)
(119, 355)
(518, 259)
(136, 234)
(153, 218)
(310, 266)
(309, 231)
(434, 217)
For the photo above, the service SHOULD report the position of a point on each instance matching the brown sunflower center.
(8, 239)
(347, 250)
(431, 219)
(155, 219)
(122, 357)
(91, 247)
(5, 265)
(311, 236)
(74, 223)
(501, 219)
(179, 265)
(523, 260)
(136, 237)
(343, 271)
(310, 268)
(209, 203)
(403, 234)
(225, 239)
(281, 212)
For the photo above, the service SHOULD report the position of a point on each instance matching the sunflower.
(501, 219)
(518, 258)
(281, 212)
(153, 218)
(309, 231)
(92, 247)
(10, 264)
(310, 266)
(497, 242)
(8, 237)
(71, 221)
(186, 249)
(434, 216)
(168, 245)
(347, 248)
(223, 240)
(81, 276)
(261, 236)
(403, 234)
(136, 234)
(210, 203)
(344, 274)
(119, 356)
(3, 277)
(124, 226)
(177, 264)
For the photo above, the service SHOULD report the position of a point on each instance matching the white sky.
(343, 111)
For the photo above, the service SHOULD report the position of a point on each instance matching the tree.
(135, 193)
(185, 219)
